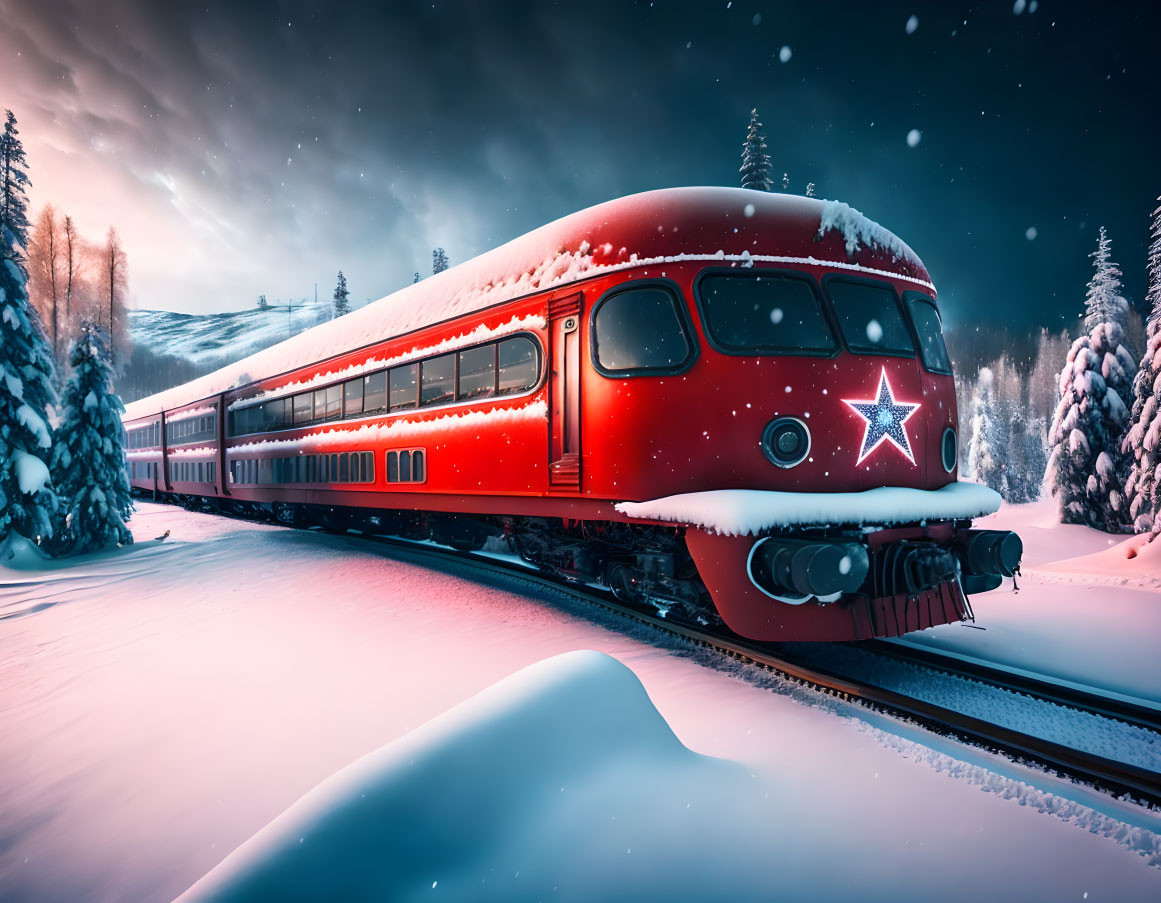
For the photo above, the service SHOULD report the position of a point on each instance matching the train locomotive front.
(730, 406)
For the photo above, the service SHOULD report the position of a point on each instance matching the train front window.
(925, 316)
(870, 317)
(640, 330)
(759, 312)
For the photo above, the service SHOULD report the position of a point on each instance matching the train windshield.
(764, 312)
(925, 316)
(870, 317)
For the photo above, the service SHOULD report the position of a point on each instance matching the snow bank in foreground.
(738, 512)
(497, 798)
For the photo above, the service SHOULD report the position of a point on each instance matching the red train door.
(564, 462)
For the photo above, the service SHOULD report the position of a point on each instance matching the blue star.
(885, 418)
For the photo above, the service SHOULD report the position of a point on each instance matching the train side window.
(334, 468)
(353, 397)
(640, 329)
(320, 404)
(344, 468)
(405, 466)
(334, 402)
(417, 466)
(869, 316)
(519, 364)
(404, 387)
(760, 312)
(303, 408)
(437, 379)
(375, 392)
(368, 467)
(312, 468)
(477, 373)
(928, 328)
(392, 467)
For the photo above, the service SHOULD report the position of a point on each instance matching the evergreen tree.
(27, 500)
(342, 296)
(263, 304)
(755, 168)
(1035, 458)
(14, 187)
(416, 279)
(88, 461)
(1142, 443)
(1085, 463)
(984, 465)
(439, 261)
(810, 189)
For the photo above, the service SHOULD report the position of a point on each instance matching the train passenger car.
(729, 405)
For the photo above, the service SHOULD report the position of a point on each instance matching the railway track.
(1104, 774)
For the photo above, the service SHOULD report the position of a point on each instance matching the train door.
(564, 462)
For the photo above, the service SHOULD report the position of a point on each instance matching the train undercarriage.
(876, 578)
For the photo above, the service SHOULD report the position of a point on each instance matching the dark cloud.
(259, 147)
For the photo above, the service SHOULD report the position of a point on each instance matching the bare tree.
(44, 273)
(112, 285)
(72, 265)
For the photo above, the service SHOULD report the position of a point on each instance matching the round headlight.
(786, 441)
(949, 449)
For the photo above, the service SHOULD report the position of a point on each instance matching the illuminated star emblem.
(885, 418)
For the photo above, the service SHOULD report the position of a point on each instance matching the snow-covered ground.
(164, 704)
(221, 338)
(1088, 610)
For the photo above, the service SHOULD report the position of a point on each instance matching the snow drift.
(507, 794)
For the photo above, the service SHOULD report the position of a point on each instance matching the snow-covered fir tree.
(1142, 442)
(342, 296)
(27, 500)
(263, 304)
(416, 279)
(439, 261)
(755, 168)
(984, 464)
(13, 186)
(810, 189)
(1085, 465)
(88, 461)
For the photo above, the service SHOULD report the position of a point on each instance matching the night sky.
(244, 148)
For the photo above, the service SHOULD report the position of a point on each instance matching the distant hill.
(171, 348)
(220, 338)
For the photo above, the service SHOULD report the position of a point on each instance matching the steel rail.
(1099, 772)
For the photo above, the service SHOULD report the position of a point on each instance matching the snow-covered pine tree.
(1142, 442)
(263, 304)
(27, 500)
(14, 186)
(439, 261)
(88, 460)
(342, 296)
(416, 279)
(755, 168)
(984, 465)
(1035, 457)
(1085, 464)
(810, 189)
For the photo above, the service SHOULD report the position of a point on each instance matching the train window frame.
(393, 463)
(771, 272)
(685, 321)
(910, 298)
(541, 375)
(829, 278)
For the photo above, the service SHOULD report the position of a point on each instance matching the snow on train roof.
(665, 226)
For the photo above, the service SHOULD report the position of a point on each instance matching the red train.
(722, 403)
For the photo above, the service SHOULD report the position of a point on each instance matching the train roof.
(734, 225)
